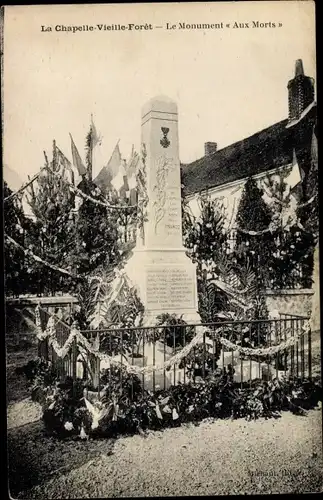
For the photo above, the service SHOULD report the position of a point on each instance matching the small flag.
(97, 161)
(95, 138)
(132, 164)
(118, 180)
(77, 162)
(64, 164)
(104, 178)
(314, 154)
(133, 198)
(115, 161)
(294, 176)
(132, 182)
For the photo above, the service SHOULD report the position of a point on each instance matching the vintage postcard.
(161, 237)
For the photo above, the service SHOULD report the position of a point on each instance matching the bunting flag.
(96, 153)
(65, 164)
(294, 177)
(95, 138)
(133, 199)
(77, 162)
(81, 194)
(25, 185)
(109, 171)
(118, 181)
(132, 163)
(314, 154)
(103, 179)
(130, 181)
(115, 161)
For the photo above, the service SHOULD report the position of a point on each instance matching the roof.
(306, 111)
(266, 150)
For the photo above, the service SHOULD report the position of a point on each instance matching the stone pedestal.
(164, 275)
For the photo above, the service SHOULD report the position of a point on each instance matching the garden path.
(221, 457)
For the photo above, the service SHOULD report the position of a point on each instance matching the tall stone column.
(165, 277)
(315, 312)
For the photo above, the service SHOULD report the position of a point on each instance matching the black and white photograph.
(161, 250)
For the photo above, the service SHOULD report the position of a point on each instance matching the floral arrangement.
(125, 407)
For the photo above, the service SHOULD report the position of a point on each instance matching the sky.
(228, 83)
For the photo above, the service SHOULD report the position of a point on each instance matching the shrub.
(64, 409)
(176, 332)
(40, 374)
(125, 408)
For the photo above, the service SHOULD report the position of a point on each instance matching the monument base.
(166, 283)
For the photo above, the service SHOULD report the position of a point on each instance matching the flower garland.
(301, 205)
(40, 334)
(29, 253)
(50, 330)
(267, 351)
(97, 202)
(174, 360)
(24, 186)
(273, 226)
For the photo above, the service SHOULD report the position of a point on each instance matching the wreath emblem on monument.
(165, 141)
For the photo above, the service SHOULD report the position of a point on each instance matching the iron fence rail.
(146, 346)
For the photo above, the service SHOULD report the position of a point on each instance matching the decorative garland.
(24, 186)
(97, 202)
(267, 351)
(271, 228)
(40, 334)
(308, 202)
(301, 205)
(176, 359)
(29, 253)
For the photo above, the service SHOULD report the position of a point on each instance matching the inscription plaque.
(173, 214)
(170, 288)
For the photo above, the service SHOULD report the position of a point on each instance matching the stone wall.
(290, 301)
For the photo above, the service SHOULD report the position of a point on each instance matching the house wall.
(298, 301)
(230, 194)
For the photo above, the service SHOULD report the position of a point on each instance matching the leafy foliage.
(211, 299)
(14, 226)
(86, 293)
(176, 332)
(309, 214)
(41, 375)
(130, 409)
(96, 234)
(206, 241)
(291, 262)
(254, 215)
(64, 410)
(52, 235)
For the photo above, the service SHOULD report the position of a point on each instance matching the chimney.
(210, 148)
(300, 92)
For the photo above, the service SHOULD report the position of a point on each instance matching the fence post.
(309, 339)
(96, 364)
(74, 329)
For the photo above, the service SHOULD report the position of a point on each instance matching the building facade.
(289, 144)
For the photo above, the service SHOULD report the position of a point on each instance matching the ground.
(217, 457)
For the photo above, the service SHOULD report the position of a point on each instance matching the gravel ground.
(22, 413)
(219, 457)
(16, 385)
